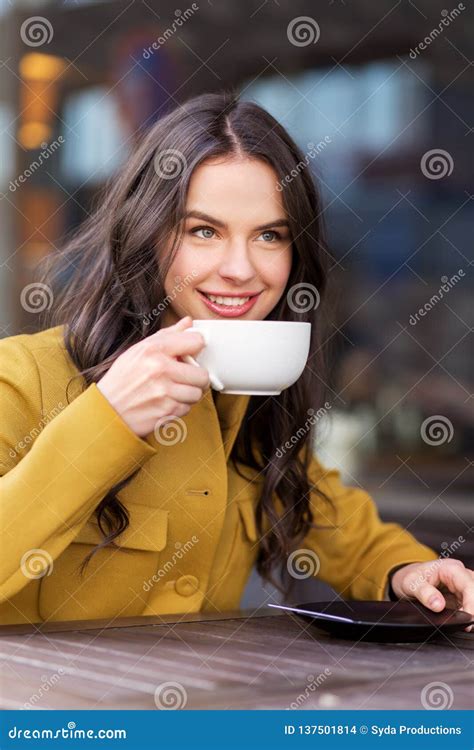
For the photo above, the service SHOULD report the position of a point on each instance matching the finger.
(460, 581)
(182, 372)
(178, 343)
(178, 326)
(452, 601)
(183, 322)
(184, 394)
(430, 597)
(470, 628)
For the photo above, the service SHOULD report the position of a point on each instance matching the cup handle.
(215, 382)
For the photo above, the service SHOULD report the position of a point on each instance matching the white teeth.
(231, 301)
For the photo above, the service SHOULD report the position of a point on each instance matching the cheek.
(278, 270)
(186, 265)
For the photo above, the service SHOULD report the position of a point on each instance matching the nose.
(236, 263)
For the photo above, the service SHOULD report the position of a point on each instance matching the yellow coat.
(192, 539)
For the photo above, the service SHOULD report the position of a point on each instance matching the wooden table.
(246, 659)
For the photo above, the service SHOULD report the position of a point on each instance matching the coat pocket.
(147, 530)
(114, 582)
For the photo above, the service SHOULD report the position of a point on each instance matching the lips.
(229, 311)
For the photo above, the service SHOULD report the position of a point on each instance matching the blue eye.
(276, 235)
(269, 235)
(203, 229)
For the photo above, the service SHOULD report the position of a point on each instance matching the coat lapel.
(212, 426)
(230, 410)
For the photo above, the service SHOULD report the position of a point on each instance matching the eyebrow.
(219, 223)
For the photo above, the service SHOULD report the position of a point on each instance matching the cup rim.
(253, 322)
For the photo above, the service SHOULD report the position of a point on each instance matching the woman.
(129, 487)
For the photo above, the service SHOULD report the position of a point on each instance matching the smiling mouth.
(229, 300)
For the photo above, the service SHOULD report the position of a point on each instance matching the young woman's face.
(236, 244)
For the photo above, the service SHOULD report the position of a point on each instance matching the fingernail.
(435, 601)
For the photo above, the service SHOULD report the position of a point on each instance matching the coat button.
(186, 585)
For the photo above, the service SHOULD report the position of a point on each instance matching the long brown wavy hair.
(111, 276)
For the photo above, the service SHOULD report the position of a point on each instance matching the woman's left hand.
(437, 584)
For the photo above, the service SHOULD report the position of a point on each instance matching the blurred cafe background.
(380, 95)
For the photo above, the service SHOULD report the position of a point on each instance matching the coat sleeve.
(54, 473)
(356, 554)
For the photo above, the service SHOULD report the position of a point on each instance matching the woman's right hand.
(148, 384)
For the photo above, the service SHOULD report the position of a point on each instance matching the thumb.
(179, 326)
(183, 323)
(431, 597)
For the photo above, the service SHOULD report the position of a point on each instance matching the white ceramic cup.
(255, 357)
